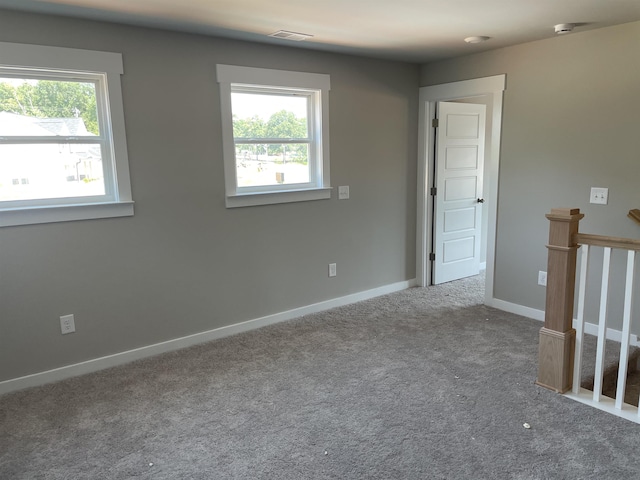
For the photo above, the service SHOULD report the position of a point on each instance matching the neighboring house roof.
(15, 124)
(64, 126)
(22, 125)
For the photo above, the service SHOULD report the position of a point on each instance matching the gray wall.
(570, 122)
(185, 264)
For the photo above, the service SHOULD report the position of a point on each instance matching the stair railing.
(561, 347)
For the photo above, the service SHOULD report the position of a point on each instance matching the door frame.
(492, 87)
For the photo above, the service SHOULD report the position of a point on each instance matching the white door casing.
(492, 89)
(458, 202)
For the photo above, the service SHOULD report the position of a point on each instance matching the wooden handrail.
(605, 241)
(634, 215)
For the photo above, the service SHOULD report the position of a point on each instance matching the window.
(275, 135)
(62, 142)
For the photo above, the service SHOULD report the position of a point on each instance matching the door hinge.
(432, 257)
(434, 123)
(434, 191)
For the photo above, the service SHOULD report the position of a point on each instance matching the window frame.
(65, 64)
(232, 78)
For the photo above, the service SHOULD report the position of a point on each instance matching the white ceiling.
(409, 30)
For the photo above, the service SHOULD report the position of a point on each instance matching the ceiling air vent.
(293, 36)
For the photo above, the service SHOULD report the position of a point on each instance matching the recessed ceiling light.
(476, 39)
(563, 28)
(296, 37)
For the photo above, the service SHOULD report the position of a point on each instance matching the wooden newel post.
(557, 337)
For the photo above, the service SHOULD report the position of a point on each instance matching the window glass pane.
(272, 164)
(30, 107)
(269, 116)
(51, 170)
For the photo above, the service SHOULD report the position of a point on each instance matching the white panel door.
(458, 199)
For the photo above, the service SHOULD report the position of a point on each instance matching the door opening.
(458, 195)
(487, 91)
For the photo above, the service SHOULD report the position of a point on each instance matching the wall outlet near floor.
(542, 278)
(67, 324)
(332, 269)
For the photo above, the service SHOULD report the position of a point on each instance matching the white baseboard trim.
(517, 309)
(612, 334)
(108, 361)
(589, 328)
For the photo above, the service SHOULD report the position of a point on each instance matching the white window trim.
(110, 65)
(228, 74)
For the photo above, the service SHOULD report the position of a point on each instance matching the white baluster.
(577, 362)
(602, 325)
(626, 331)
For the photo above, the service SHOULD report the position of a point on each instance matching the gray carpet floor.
(420, 384)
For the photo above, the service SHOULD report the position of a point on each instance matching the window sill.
(251, 199)
(64, 213)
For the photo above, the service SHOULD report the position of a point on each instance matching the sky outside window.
(247, 105)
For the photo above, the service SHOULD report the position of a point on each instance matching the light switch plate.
(599, 195)
(332, 269)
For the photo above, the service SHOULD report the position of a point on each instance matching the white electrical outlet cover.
(542, 278)
(67, 324)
